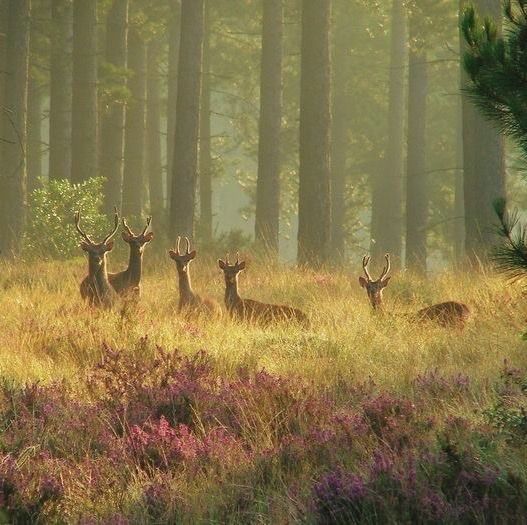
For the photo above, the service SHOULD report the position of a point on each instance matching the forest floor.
(138, 415)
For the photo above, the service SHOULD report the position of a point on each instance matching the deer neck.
(99, 272)
(231, 293)
(135, 266)
(186, 294)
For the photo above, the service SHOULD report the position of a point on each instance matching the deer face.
(375, 288)
(182, 260)
(97, 252)
(231, 271)
(137, 242)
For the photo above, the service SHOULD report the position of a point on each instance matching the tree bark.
(205, 155)
(386, 222)
(483, 164)
(3, 33)
(34, 133)
(187, 123)
(113, 122)
(13, 130)
(174, 31)
(268, 182)
(84, 96)
(314, 205)
(153, 130)
(417, 197)
(134, 149)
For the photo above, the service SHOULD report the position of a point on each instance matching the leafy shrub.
(50, 231)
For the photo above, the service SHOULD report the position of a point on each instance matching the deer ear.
(126, 237)
(386, 280)
(85, 246)
(109, 246)
(172, 254)
(362, 281)
(149, 236)
(221, 264)
(192, 254)
(241, 266)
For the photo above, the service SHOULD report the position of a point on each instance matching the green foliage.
(50, 231)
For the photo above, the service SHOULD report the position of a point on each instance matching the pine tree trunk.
(84, 96)
(185, 151)
(386, 222)
(339, 141)
(314, 204)
(112, 125)
(153, 130)
(174, 31)
(134, 149)
(13, 130)
(34, 133)
(205, 155)
(268, 182)
(60, 91)
(417, 188)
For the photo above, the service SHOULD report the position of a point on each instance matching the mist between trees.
(322, 129)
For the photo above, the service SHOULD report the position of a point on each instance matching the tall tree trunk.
(483, 165)
(314, 203)
(153, 130)
(185, 160)
(84, 103)
(112, 125)
(417, 197)
(13, 129)
(458, 229)
(386, 223)
(339, 141)
(268, 182)
(205, 155)
(34, 133)
(134, 149)
(174, 31)
(60, 90)
(3, 32)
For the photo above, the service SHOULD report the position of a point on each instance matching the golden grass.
(47, 333)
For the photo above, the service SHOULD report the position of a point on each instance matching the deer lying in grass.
(247, 309)
(189, 300)
(95, 287)
(450, 313)
(129, 280)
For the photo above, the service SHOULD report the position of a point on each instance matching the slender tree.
(174, 29)
(153, 129)
(113, 121)
(205, 155)
(3, 32)
(185, 152)
(134, 150)
(84, 103)
(13, 129)
(483, 147)
(314, 206)
(417, 197)
(34, 132)
(386, 222)
(60, 90)
(268, 182)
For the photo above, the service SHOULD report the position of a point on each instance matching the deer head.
(375, 288)
(137, 242)
(182, 259)
(96, 250)
(231, 271)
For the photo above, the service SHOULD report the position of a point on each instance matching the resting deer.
(95, 287)
(247, 309)
(450, 313)
(188, 299)
(129, 280)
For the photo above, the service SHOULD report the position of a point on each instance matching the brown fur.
(250, 310)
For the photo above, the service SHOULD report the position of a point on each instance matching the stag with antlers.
(129, 280)
(95, 287)
(248, 309)
(190, 301)
(450, 313)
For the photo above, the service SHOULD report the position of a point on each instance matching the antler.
(116, 227)
(187, 242)
(77, 226)
(386, 269)
(127, 228)
(227, 258)
(365, 262)
(148, 221)
(178, 241)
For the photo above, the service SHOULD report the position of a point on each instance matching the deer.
(248, 309)
(190, 301)
(95, 287)
(129, 280)
(449, 313)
